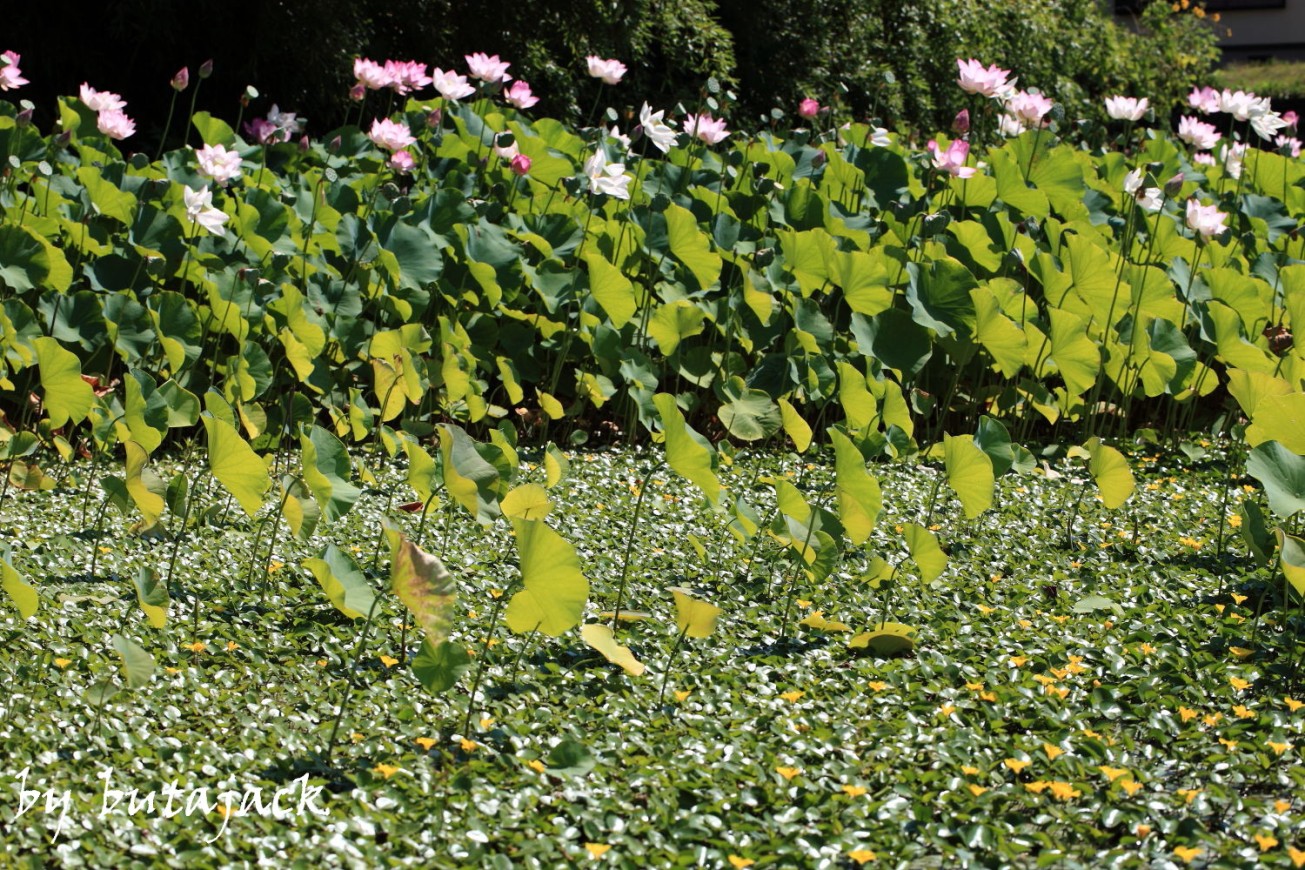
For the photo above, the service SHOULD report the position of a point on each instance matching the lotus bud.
(334, 145)
(1174, 185)
(206, 69)
(435, 118)
(24, 118)
(181, 80)
(357, 92)
(303, 144)
(961, 123)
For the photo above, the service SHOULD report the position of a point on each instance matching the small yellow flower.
(990, 697)
(976, 790)
(1297, 856)
(1235, 521)
(1238, 683)
(63, 663)
(171, 670)
(1016, 764)
(974, 687)
(356, 737)
(486, 721)
(469, 745)
(985, 610)
(597, 850)
(1187, 854)
(1243, 712)
(1146, 649)
(1265, 841)
(1238, 599)
(385, 770)
(1292, 704)
(1189, 794)
(537, 766)
(1018, 661)
(877, 685)
(1211, 719)
(1142, 831)
(496, 593)
(787, 772)
(1060, 673)
(197, 647)
(803, 603)
(1279, 748)
(1064, 791)
(1024, 623)
(425, 742)
(273, 567)
(1060, 620)
(1187, 713)
(321, 663)
(389, 661)
(683, 695)
(793, 696)
(1281, 806)
(1113, 773)
(739, 863)
(946, 710)
(1231, 744)
(1052, 751)
(1036, 787)
(1060, 691)
(1044, 679)
(1241, 652)
(862, 856)
(853, 790)
(1130, 786)
(106, 550)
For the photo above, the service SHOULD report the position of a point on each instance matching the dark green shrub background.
(771, 52)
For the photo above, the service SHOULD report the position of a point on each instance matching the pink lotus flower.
(391, 135)
(181, 79)
(199, 208)
(1029, 108)
(1009, 125)
(1292, 120)
(357, 92)
(402, 162)
(115, 124)
(1205, 220)
(1242, 105)
(705, 127)
(952, 161)
(262, 131)
(371, 75)
(218, 163)
(101, 101)
(1267, 125)
(808, 108)
(974, 79)
(451, 85)
(1291, 143)
(961, 123)
(610, 71)
(520, 164)
(10, 75)
(488, 68)
(519, 95)
(1204, 100)
(1205, 158)
(1126, 108)
(407, 76)
(1198, 134)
